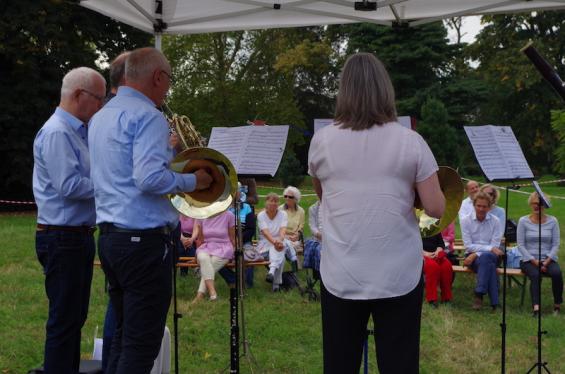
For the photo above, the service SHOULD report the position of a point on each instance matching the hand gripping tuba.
(219, 196)
(452, 188)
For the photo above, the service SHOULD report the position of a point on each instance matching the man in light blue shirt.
(481, 237)
(65, 215)
(130, 154)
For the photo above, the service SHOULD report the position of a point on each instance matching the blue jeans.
(67, 259)
(139, 272)
(487, 279)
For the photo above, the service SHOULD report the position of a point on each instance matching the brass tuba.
(219, 196)
(452, 188)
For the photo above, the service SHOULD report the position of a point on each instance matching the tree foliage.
(40, 40)
(518, 96)
(440, 136)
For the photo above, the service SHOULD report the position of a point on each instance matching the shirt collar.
(474, 216)
(69, 118)
(132, 92)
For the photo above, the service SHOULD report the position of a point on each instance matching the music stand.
(501, 160)
(545, 203)
(237, 295)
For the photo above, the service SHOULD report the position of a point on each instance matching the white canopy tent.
(202, 16)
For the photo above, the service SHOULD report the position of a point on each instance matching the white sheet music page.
(498, 152)
(229, 141)
(256, 150)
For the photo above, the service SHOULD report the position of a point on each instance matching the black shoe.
(276, 289)
(535, 313)
(269, 277)
(433, 304)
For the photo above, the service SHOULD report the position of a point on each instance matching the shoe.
(213, 297)
(477, 303)
(535, 313)
(446, 303)
(276, 289)
(556, 310)
(270, 277)
(433, 304)
(493, 308)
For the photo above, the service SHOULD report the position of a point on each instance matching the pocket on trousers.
(44, 243)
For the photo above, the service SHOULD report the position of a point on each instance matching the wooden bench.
(190, 262)
(515, 275)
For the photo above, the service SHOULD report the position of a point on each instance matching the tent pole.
(158, 37)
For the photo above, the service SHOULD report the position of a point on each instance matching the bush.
(290, 171)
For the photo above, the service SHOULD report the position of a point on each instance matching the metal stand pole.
(539, 364)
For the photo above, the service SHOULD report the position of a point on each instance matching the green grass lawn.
(283, 329)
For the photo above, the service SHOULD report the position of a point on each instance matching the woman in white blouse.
(368, 168)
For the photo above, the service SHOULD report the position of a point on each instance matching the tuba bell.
(452, 188)
(217, 198)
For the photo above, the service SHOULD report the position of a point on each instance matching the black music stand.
(501, 160)
(237, 295)
(545, 203)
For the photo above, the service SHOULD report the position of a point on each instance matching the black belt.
(81, 229)
(106, 228)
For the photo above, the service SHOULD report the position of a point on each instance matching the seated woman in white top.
(272, 244)
(295, 216)
(529, 245)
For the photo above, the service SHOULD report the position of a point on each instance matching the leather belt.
(106, 228)
(82, 229)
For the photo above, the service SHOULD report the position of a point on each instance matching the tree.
(558, 125)
(277, 75)
(40, 40)
(518, 95)
(441, 137)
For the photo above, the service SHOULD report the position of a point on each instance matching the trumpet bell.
(452, 188)
(201, 204)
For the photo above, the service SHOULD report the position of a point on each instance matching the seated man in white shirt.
(481, 237)
(467, 205)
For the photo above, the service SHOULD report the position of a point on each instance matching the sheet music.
(498, 152)
(251, 149)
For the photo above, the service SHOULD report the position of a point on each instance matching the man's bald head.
(472, 188)
(148, 71)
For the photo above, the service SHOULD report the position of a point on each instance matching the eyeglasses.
(288, 197)
(99, 98)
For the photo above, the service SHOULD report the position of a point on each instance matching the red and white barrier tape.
(17, 202)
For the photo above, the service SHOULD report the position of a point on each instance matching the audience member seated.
(448, 235)
(188, 241)
(313, 245)
(216, 250)
(528, 245)
(437, 270)
(481, 237)
(248, 227)
(466, 208)
(495, 210)
(295, 214)
(272, 243)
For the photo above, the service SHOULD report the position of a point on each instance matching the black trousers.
(553, 271)
(67, 259)
(139, 272)
(397, 332)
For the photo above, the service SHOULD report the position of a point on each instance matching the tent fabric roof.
(201, 16)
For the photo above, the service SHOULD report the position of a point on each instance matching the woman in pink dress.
(216, 250)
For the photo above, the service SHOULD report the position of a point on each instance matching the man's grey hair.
(142, 63)
(79, 78)
(118, 69)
